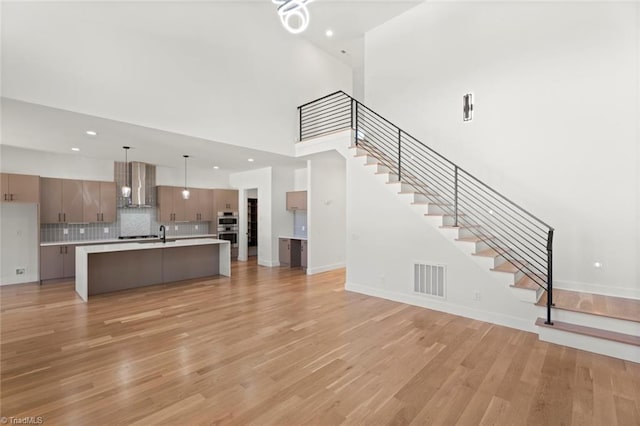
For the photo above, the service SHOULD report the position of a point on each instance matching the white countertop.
(117, 240)
(293, 238)
(106, 248)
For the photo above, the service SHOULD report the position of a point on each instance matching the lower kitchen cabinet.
(57, 262)
(303, 254)
(290, 253)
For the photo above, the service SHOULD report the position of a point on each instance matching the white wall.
(46, 164)
(223, 71)
(300, 180)
(556, 123)
(384, 239)
(18, 243)
(326, 212)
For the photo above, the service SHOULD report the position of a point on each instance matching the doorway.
(252, 222)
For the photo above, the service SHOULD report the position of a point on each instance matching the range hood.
(139, 185)
(142, 179)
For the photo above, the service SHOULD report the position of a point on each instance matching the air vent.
(429, 279)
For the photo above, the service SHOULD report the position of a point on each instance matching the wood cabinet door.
(24, 188)
(72, 201)
(165, 204)
(91, 201)
(285, 251)
(50, 200)
(69, 262)
(303, 254)
(51, 258)
(297, 200)
(192, 205)
(108, 212)
(233, 200)
(179, 205)
(206, 205)
(4, 181)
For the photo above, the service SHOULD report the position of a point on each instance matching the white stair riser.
(594, 321)
(526, 295)
(590, 344)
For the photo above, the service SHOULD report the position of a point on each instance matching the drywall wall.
(326, 212)
(385, 237)
(283, 182)
(261, 180)
(223, 71)
(18, 243)
(300, 180)
(46, 164)
(555, 123)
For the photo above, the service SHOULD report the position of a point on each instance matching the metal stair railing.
(522, 239)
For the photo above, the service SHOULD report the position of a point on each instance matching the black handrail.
(457, 192)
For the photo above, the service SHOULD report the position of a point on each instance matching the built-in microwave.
(228, 220)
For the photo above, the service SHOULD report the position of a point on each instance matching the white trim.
(325, 268)
(442, 306)
(268, 263)
(605, 290)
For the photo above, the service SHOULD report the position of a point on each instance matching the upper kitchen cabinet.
(297, 200)
(61, 201)
(20, 188)
(199, 206)
(171, 206)
(99, 201)
(225, 200)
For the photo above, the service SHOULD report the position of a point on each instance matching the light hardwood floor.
(273, 346)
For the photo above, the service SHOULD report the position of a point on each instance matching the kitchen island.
(113, 267)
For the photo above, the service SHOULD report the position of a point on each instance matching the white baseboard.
(325, 268)
(604, 290)
(268, 263)
(27, 279)
(463, 311)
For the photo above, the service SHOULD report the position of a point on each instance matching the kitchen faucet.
(163, 233)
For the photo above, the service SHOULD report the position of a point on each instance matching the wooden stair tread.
(508, 267)
(592, 332)
(490, 252)
(595, 304)
(474, 239)
(527, 283)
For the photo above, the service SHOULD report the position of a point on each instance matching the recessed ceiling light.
(75, 149)
(250, 160)
(91, 133)
(329, 33)
(216, 167)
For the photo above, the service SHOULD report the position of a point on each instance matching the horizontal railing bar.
(390, 132)
(329, 122)
(442, 167)
(527, 252)
(373, 135)
(538, 226)
(497, 212)
(317, 109)
(442, 185)
(418, 145)
(502, 196)
(325, 114)
(324, 97)
(341, 114)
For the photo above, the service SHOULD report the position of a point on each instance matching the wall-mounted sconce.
(467, 107)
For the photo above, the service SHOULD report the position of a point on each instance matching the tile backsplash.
(300, 223)
(130, 221)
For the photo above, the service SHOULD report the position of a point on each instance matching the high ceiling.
(59, 126)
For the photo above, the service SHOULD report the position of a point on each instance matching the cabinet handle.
(60, 250)
(101, 217)
(11, 197)
(66, 249)
(59, 215)
(98, 217)
(64, 217)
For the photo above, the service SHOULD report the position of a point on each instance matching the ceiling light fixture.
(294, 14)
(251, 160)
(185, 191)
(329, 33)
(216, 167)
(126, 189)
(91, 133)
(75, 149)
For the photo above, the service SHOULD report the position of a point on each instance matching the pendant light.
(185, 191)
(126, 189)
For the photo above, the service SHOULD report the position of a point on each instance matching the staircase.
(514, 245)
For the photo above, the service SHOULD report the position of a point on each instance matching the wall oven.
(232, 237)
